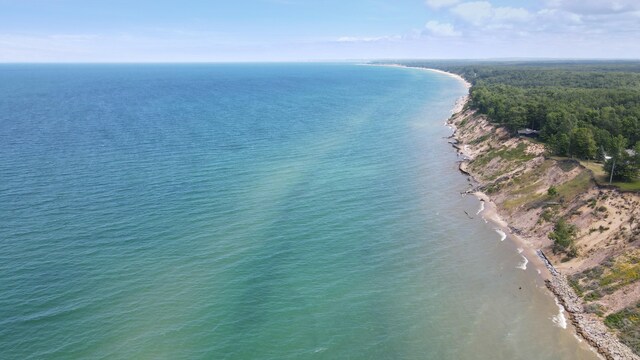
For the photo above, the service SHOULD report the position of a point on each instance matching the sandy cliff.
(532, 191)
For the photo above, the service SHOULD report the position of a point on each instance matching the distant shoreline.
(455, 76)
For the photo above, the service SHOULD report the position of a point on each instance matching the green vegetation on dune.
(627, 323)
(602, 178)
(563, 236)
(511, 156)
(583, 109)
(574, 187)
(604, 279)
(628, 186)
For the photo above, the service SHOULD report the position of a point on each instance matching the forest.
(583, 109)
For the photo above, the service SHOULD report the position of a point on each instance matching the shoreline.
(592, 330)
(489, 211)
(602, 341)
(442, 72)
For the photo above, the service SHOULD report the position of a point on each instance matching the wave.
(520, 250)
(560, 320)
(523, 264)
(481, 208)
(502, 234)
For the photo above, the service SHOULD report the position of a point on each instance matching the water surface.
(250, 212)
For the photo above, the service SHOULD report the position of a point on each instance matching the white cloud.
(594, 7)
(595, 17)
(475, 12)
(510, 14)
(436, 4)
(559, 16)
(482, 12)
(441, 29)
(556, 20)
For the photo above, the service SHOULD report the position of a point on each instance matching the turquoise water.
(250, 212)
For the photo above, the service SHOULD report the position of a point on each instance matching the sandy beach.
(456, 76)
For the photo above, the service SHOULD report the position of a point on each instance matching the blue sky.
(298, 30)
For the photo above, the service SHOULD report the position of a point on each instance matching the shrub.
(547, 215)
(563, 236)
(594, 309)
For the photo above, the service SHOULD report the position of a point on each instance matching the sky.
(315, 30)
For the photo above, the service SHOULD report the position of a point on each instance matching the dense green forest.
(583, 109)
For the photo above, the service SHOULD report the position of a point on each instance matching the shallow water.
(251, 211)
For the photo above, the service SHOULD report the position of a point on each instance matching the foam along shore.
(528, 253)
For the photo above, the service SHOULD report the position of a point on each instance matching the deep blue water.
(256, 211)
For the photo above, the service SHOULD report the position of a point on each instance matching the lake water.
(254, 211)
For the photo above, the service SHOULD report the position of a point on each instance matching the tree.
(582, 144)
(563, 237)
(560, 144)
(627, 166)
(558, 122)
(621, 166)
(516, 118)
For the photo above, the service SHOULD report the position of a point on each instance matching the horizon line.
(498, 59)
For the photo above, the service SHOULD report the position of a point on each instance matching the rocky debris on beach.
(587, 325)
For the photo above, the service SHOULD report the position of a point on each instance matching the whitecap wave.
(560, 320)
(481, 208)
(520, 250)
(502, 234)
(523, 264)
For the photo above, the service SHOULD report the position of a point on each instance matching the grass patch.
(595, 309)
(485, 158)
(597, 169)
(575, 284)
(512, 155)
(627, 323)
(621, 274)
(601, 178)
(480, 139)
(574, 187)
(517, 154)
(522, 200)
(567, 164)
(529, 192)
(628, 186)
(547, 215)
(535, 174)
(525, 189)
(608, 277)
